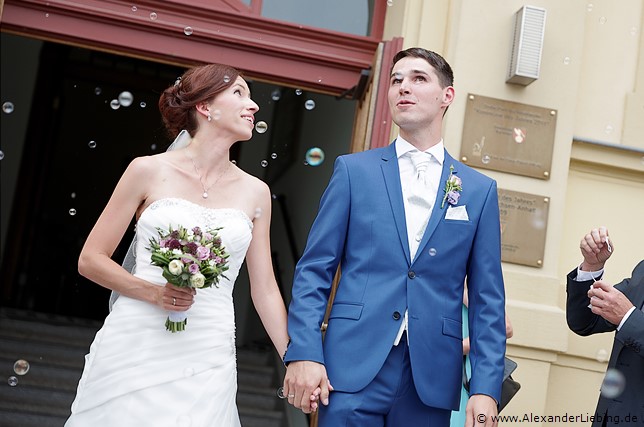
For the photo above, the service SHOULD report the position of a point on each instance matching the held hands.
(305, 383)
(596, 248)
(608, 302)
(481, 411)
(174, 298)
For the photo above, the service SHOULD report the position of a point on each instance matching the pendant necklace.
(205, 190)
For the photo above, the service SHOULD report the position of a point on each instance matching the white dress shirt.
(407, 178)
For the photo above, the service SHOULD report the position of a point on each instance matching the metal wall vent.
(527, 45)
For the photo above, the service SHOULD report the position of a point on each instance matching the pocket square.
(458, 213)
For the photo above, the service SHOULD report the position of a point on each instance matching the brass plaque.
(524, 220)
(508, 136)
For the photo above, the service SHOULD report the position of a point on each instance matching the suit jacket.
(627, 355)
(361, 225)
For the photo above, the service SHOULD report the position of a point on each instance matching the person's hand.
(305, 383)
(608, 302)
(480, 411)
(174, 298)
(596, 247)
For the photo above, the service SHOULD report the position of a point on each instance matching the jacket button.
(396, 315)
(411, 275)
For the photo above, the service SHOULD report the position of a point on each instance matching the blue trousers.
(390, 400)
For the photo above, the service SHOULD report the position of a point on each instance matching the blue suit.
(361, 226)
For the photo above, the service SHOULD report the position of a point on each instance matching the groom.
(408, 224)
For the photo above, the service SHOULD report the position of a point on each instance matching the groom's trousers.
(390, 400)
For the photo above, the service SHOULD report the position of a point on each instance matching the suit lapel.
(391, 174)
(437, 212)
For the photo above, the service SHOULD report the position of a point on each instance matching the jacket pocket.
(452, 328)
(343, 310)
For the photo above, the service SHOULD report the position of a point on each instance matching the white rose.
(175, 267)
(197, 280)
(163, 250)
(177, 252)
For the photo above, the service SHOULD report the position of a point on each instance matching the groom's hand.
(302, 379)
(481, 411)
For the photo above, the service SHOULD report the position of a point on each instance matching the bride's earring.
(209, 117)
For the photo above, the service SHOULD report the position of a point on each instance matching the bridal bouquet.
(189, 258)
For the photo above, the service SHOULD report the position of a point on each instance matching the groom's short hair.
(443, 69)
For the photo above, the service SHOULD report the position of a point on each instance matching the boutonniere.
(453, 188)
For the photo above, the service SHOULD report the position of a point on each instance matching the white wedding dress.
(138, 374)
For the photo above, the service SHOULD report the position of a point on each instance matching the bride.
(137, 373)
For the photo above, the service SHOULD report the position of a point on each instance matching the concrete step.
(35, 400)
(252, 417)
(25, 419)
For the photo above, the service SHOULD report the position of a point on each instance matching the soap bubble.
(261, 127)
(314, 156)
(21, 367)
(126, 98)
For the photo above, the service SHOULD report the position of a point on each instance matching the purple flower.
(193, 269)
(217, 259)
(163, 243)
(455, 180)
(452, 197)
(174, 244)
(207, 236)
(175, 234)
(203, 253)
(191, 248)
(196, 231)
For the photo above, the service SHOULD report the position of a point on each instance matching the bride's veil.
(182, 140)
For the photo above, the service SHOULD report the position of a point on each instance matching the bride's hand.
(173, 298)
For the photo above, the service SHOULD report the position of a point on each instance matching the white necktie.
(420, 204)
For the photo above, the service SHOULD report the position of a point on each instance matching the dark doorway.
(60, 167)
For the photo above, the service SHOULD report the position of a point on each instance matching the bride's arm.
(263, 287)
(95, 261)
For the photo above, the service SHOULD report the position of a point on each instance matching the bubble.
(602, 355)
(216, 115)
(46, 15)
(91, 144)
(485, 159)
(273, 156)
(258, 212)
(188, 372)
(12, 381)
(184, 421)
(98, 90)
(126, 98)
(226, 79)
(298, 92)
(153, 147)
(609, 129)
(115, 104)
(261, 127)
(276, 95)
(7, 107)
(187, 31)
(314, 156)
(134, 8)
(143, 104)
(153, 16)
(1, 154)
(234, 162)
(21, 367)
(589, 7)
(264, 163)
(566, 60)
(390, 2)
(73, 195)
(309, 104)
(72, 211)
(613, 384)
(602, 20)
(633, 31)
(432, 251)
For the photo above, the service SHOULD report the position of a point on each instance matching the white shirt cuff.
(628, 313)
(583, 276)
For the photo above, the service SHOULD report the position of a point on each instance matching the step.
(257, 397)
(255, 375)
(69, 335)
(23, 419)
(36, 400)
(43, 375)
(43, 353)
(253, 417)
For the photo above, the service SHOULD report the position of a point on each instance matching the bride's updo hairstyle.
(199, 84)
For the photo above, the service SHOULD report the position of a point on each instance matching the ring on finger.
(174, 301)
